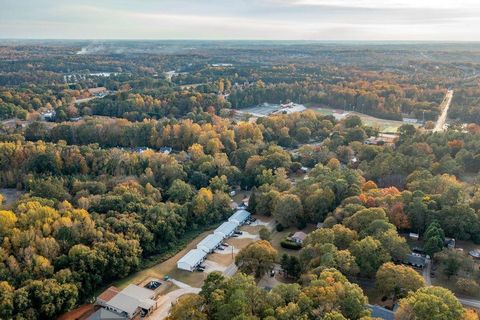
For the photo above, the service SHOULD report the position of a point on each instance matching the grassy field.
(384, 126)
(169, 267)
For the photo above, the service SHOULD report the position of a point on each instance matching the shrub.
(467, 286)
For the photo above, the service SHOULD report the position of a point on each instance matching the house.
(416, 260)
(98, 92)
(132, 302)
(413, 236)
(475, 253)
(381, 312)
(298, 237)
(240, 217)
(191, 260)
(226, 229)
(210, 243)
(48, 115)
(166, 150)
(450, 243)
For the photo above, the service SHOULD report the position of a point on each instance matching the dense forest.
(102, 195)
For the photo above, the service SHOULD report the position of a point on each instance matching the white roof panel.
(226, 228)
(240, 215)
(210, 242)
(193, 257)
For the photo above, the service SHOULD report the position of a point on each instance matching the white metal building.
(240, 216)
(226, 229)
(191, 260)
(210, 243)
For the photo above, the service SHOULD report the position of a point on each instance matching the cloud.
(242, 19)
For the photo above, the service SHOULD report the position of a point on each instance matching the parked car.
(221, 248)
(225, 244)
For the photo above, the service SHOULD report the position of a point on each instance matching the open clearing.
(384, 126)
(10, 196)
(169, 267)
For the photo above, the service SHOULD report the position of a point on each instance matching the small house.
(299, 237)
(413, 236)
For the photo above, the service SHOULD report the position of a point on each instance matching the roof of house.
(108, 294)
(129, 304)
(138, 292)
(104, 314)
(226, 227)
(193, 257)
(241, 215)
(210, 242)
(299, 235)
(416, 260)
(97, 90)
(382, 313)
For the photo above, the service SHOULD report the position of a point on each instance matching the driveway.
(165, 302)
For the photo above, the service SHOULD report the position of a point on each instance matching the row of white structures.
(195, 257)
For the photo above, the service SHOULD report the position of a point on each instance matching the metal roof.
(240, 216)
(138, 292)
(210, 242)
(382, 313)
(193, 257)
(104, 314)
(226, 228)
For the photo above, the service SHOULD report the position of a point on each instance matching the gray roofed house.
(382, 313)
(131, 302)
(299, 237)
(416, 260)
(104, 314)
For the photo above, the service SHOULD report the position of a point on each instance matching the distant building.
(132, 302)
(299, 237)
(166, 150)
(48, 115)
(98, 92)
(413, 236)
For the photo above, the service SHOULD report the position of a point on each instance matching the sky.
(407, 20)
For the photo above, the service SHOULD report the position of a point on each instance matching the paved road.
(165, 302)
(426, 272)
(465, 302)
(440, 125)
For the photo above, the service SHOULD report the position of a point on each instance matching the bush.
(265, 234)
(467, 286)
(287, 244)
(279, 227)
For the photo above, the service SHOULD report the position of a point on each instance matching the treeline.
(466, 105)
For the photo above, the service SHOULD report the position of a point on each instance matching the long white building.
(210, 243)
(191, 260)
